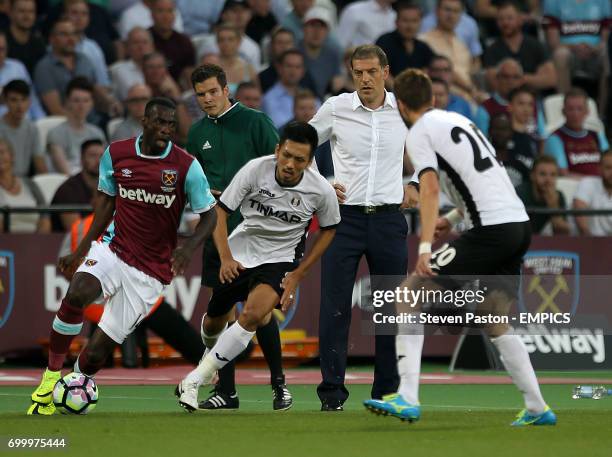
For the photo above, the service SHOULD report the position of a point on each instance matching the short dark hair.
(440, 81)
(413, 88)
(246, 85)
(280, 29)
(289, 52)
(576, 92)
(403, 5)
(207, 71)
(159, 101)
(227, 27)
(520, 90)
(17, 86)
(367, 51)
(544, 159)
(303, 94)
(300, 132)
(92, 141)
(509, 4)
(79, 83)
(440, 57)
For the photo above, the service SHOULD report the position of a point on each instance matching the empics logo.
(142, 195)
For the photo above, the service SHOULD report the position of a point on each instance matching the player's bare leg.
(516, 360)
(260, 302)
(93, 356)
(84, 289)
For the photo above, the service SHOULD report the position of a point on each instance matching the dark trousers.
(382, 239)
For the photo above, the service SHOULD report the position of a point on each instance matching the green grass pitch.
(457, 420)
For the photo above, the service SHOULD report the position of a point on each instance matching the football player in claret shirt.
(144, 185)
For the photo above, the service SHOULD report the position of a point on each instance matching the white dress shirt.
(367, 147)
(363, 22)
(139, 15)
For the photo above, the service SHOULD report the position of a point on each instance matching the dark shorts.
(225, 296)
(210, 265)
(493, 250)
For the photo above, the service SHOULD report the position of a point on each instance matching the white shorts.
(128, 293)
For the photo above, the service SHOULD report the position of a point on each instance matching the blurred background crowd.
(533, 75)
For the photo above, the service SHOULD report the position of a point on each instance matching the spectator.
(198, 20)
(139, 15)
(541, 192)
(508, 76)
(521, 107)
(511, 157)
(319, 55)
(466, 28)
(305, 106)
(176, 46)
(278, 101)
(239, 14)
(249, 94)
(10, 70)
(595, 192)
(155, 71)
(441, 68)
(487, 13)
(78, 13)
(364, 21)
(577, 31)
(281, 40)
(402, 47)
(294, 20)
(60, 65)
(539, 70)
(344, 83)
(20, 191)
(131, 126)
(64, 141)
(101, 27)
(576, 149)
(236, 68)
(21, 133)
(127, 73)
(24, 42)
(444, 41)
(441, 92)
(262, 20)
(80, 188)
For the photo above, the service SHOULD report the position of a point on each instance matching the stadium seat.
(45, 124)
(112, 126)
(553, 105)
(48, 184)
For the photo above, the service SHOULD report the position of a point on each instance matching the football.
(75, 393)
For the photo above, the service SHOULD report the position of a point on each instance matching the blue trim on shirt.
(106, 179)
(197, 189)
(163, 156)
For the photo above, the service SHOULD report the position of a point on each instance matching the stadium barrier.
(31, 288)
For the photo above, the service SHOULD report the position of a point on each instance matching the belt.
(372, 209)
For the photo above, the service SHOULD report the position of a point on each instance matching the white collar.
(389, 100)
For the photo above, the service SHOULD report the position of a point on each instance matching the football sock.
(268, 338)
(231, 343)
(515, 358)
(409, 349)
(84, 365)
(66, 325)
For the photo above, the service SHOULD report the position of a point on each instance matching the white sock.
(409, 349)
(230, 344)
(515, 357)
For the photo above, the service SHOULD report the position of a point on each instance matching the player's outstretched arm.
(103, 214)
(181, 256)
(230, 268)
(293, 278)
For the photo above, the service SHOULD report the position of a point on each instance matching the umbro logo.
(206, 145)
(126, 173)
(221, 358)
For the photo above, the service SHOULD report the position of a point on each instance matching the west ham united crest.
(550, 282)
(7, 285)
(169, 178)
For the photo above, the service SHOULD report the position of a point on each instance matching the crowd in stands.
(533, 75)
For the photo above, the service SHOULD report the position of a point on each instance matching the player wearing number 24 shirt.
(449, 153)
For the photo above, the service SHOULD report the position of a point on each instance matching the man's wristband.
(424, 247)
(454, 217)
